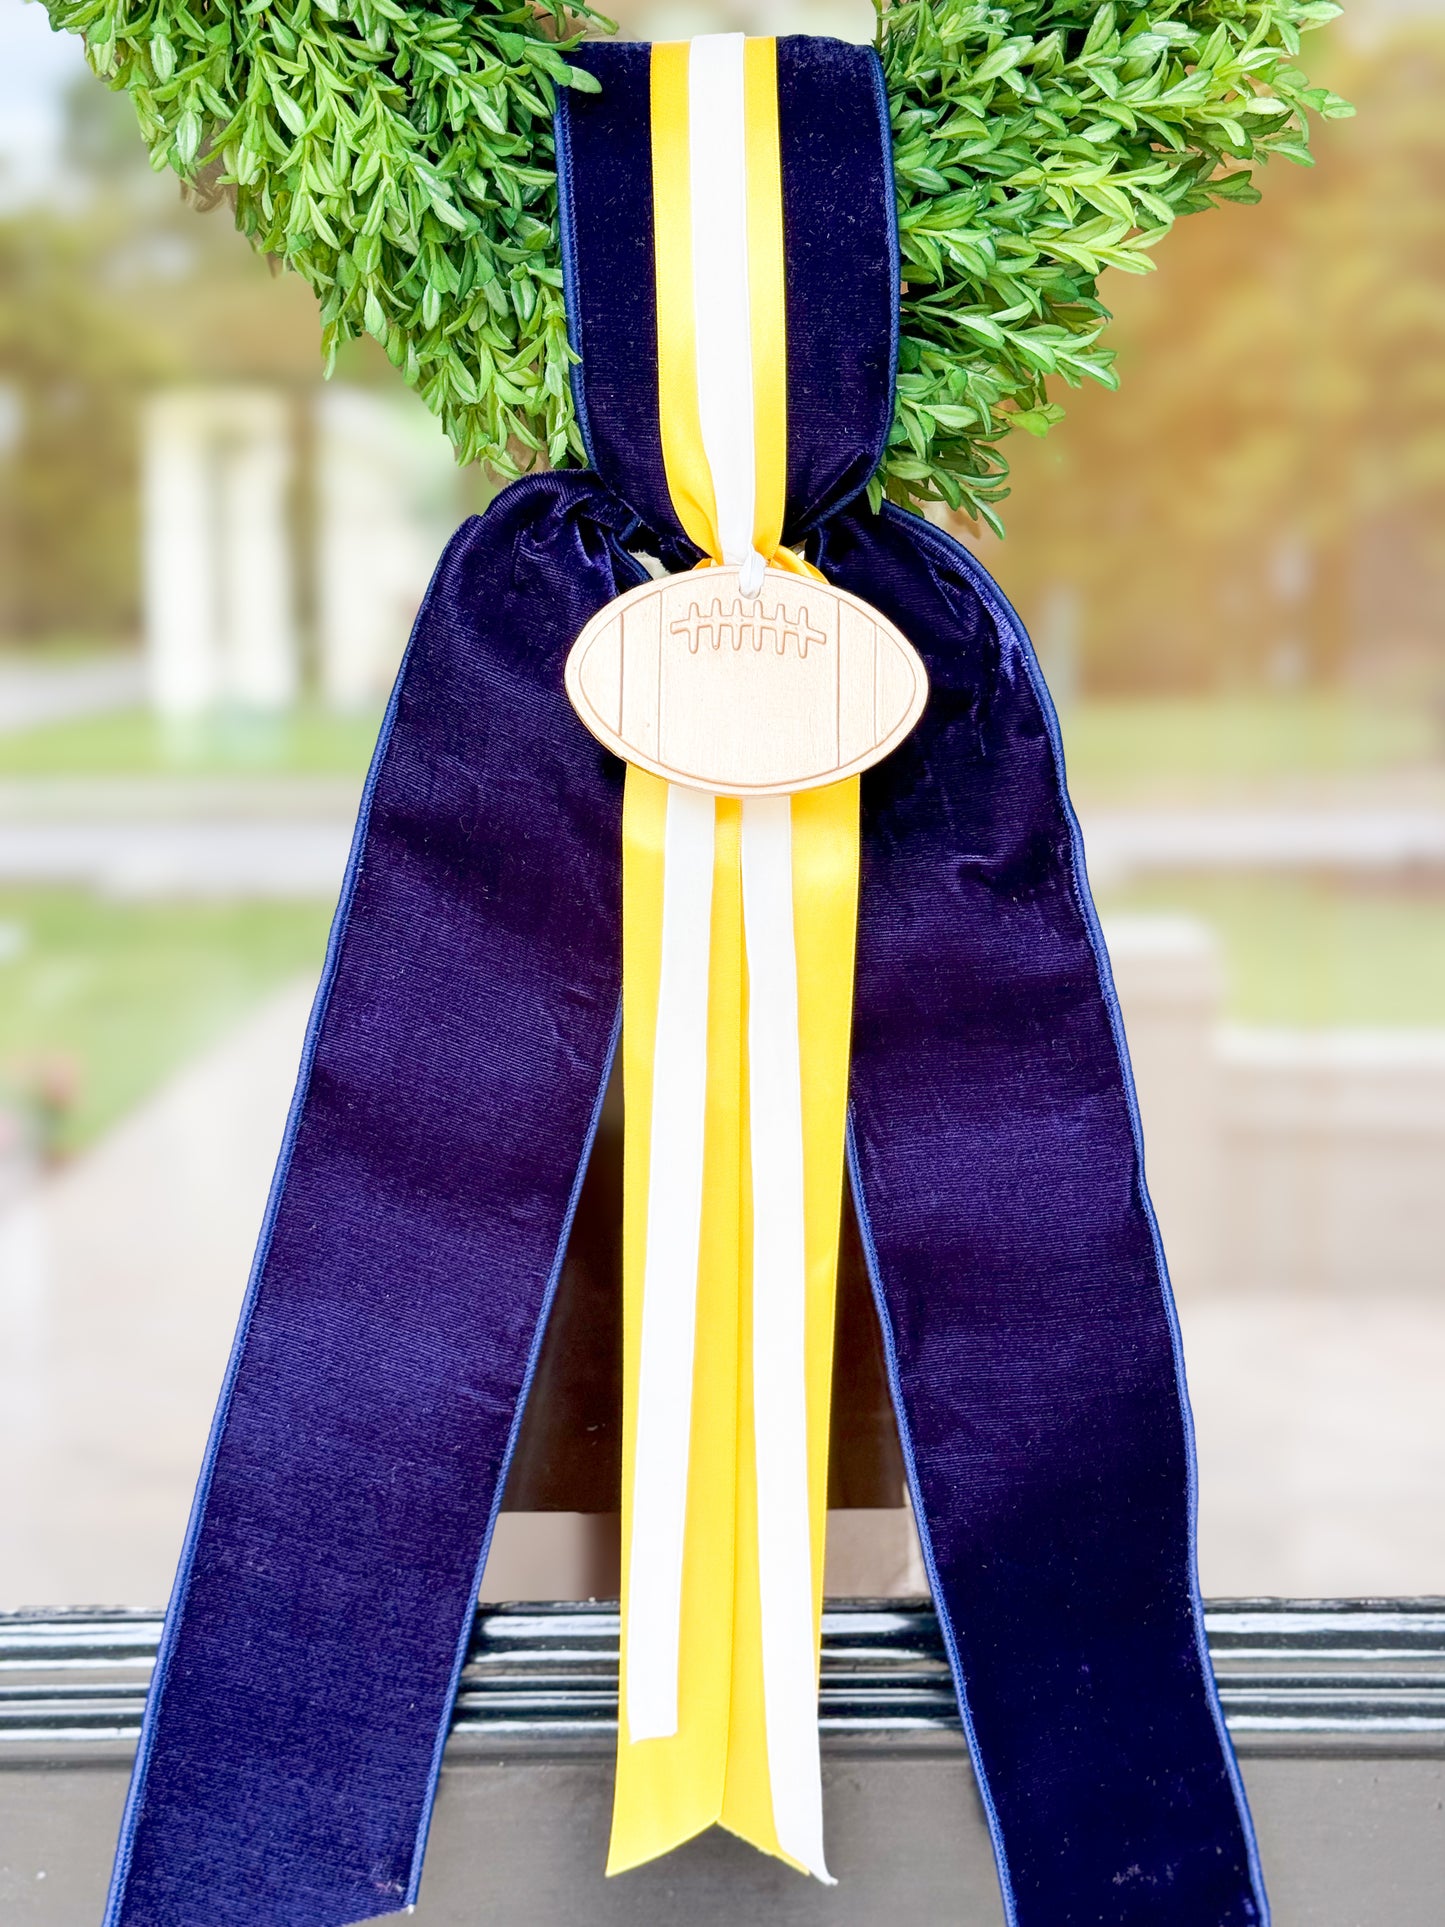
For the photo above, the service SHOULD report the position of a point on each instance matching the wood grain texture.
(799, 686)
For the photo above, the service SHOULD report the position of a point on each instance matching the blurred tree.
(70, 370)
(1264, 501)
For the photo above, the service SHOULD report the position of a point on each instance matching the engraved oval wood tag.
(796, 687)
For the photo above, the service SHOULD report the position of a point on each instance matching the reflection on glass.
(1233, 570)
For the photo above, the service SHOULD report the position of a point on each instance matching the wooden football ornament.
(798, 686)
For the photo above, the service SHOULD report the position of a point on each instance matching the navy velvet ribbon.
(840, 249)
(448, 1094)
(1028, 1323)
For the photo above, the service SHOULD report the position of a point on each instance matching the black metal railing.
(1302, 1677)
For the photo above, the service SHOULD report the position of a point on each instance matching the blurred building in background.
(387, 496)
(1234, 570)
(257, 504)
(220, 617)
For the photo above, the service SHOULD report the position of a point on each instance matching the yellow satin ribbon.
(689, 479)
(714, 1769)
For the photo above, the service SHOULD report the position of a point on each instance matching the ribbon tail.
(737, 1657)
(669, 1294)
(1027, 1319)
(780, 1335)
(447, 1098)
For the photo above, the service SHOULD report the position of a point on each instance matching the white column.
(219, 604)
(1170, 983)
(182, 645)
(257, 615)
(387, 499)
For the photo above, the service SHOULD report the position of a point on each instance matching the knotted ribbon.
(449, 1091)
(738, 926)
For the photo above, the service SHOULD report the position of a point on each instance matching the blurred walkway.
(39, 692)
(249, 857)
(1372, 839)
(120, 1283)
(179, 835)
(267, 836)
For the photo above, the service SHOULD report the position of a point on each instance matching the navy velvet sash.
(447, 1099)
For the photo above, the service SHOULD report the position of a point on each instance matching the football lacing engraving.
(748, 625)
(713, 716)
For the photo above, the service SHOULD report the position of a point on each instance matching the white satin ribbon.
(722, 316)
(669, 1292)
(722, 322)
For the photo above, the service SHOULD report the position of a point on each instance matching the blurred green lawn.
(304, 742)
(1111, 745)
(1297, 949)
(100, 1000)
(1307, 951)
(1223, 742)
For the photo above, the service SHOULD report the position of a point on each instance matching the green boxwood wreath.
(399, 157)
